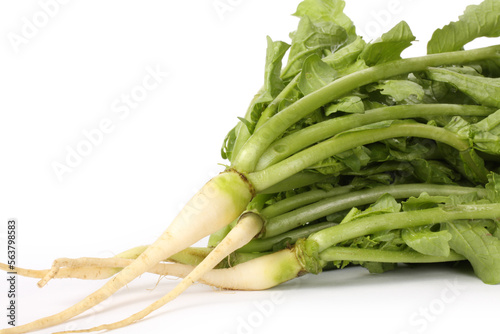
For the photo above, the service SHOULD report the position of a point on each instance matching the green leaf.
(413, 152)
(483, 90)
(459, 126)
(482, 249)
(486, 134)
(312, 38)
(356, 158)
(477, 21)
(315, 74)
(440, 92)
(352, 160)
(250, 126)
(401, 90)
(468, 163)
(228, 144)
(329, 166)
(354, 67)
(273, 84)
(385, 204)
(433, 171)
(389, 46)
(473, 166)
(493, 187)
(378, 267)
(425, 241)
(424, 201)
(490, 67)
(328, 11)
(352, 214)
(404, 149)
(496, 233)
(345, 56)
(385, 240)
(382, 168)
(348, 104)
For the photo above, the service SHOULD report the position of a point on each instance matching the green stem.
(363, 226)
(194, 255)
(248, 156)
(191, 255)
(216, 237)
(377, 255)
(296, 201)
(298, 180)
(273, 106)
(293, 219)
(389, 166)
(237, 258)
(242, 133)
(346, 141)
(267, 244)
(296, 141)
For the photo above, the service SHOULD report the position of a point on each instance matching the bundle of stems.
(348, 155)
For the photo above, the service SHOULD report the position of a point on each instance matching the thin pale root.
(248, 226)
(217, 204)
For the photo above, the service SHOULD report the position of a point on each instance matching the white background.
(70, 74)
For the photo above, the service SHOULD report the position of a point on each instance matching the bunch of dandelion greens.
(348, 155)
